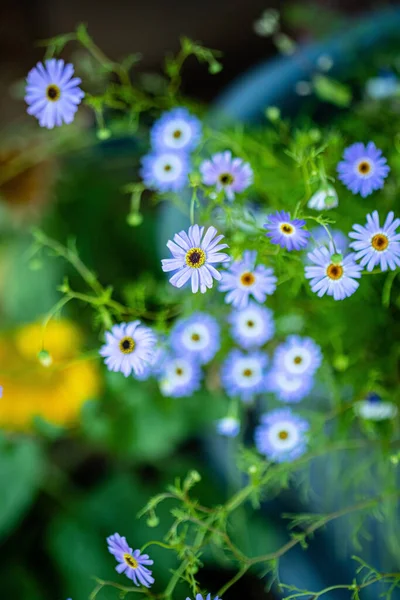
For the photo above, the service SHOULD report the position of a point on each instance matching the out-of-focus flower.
(131, 562)
(375, 245)
(165, 171)
(373, 408)
(332, 274)
(200, 597)
(286, 232)
(281, 437)
(288, 387)
(198, 335)
(243, 279)
(363, 169)
(324, 199)
(232, 175)
(180, 376)
(52, 94)
(129, 348)
(54, 393)
(298, 356)
(228, 426)
(244, 375)
(252, 326)
(176, 130)
(385, 85)
(193, 258)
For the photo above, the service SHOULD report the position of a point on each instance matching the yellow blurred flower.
(54, 392)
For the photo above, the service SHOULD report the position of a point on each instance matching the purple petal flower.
(131, 562)
(52, 93)
(286, 232)
(332, 274)
(298, 356)
(129, 347)
(244, 375)
(180, 376)
(200, 597)
(194, 258)
(232, 175)
(165, 171)
(176, 130)
(198, 335)
(363, 169)
(281, 437)
(252, 326)
(376, 245)
(243, 279)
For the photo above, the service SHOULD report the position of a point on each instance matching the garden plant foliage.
(301, 390)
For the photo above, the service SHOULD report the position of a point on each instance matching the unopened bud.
(45, 358)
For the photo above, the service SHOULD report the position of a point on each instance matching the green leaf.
(21, 472)
(330, 90)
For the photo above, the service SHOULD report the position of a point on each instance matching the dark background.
(153, 27)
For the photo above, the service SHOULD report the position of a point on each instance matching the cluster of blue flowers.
(53, 96)
(173, 137)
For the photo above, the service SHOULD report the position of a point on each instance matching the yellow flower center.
(127, 345)
(247, 372)
(179, 371)
(286, 228)
(226, 179)
(177, 134)
(53, 92)
(167, 168)
(195, 258)
(380, 242)
(250, 323)
(364, 167)
(195, 337)
(130, 561)
(297, 360)
(334, 271)
(247, 278)
(283, 435)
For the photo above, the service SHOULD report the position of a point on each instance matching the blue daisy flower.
(176, 130)
(286, 232)
(198, 335)
(194, 258)
(52, 93)
(373, 408)
(281, 436)
(288, 387)
(298, 356)
(375, 245)
(385, 85)
(244, 375)
(129, 348)
(228, 426)
(200, 597)
(165, 171)
(252, 326)
(332, 274)
(131, 562)
(180, 376)
(363, 169)
(243, 279)
(232, 175)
